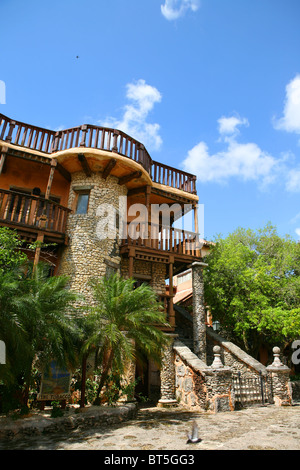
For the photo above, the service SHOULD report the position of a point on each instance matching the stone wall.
(86, 256)
(190, 384)
(295, 385)
(232, 356)
(152, 272)
(199, 387)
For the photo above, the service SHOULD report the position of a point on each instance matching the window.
(82, 203)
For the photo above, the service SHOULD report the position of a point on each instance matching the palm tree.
(124, 320)
(44, 308)
(11, 331)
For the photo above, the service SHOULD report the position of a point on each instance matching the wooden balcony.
(94, 137)
(32, 215)
(159, 241)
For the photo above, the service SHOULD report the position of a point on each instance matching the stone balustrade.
(201, 387)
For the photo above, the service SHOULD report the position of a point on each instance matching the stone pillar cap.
(277, 364)
(198, 263)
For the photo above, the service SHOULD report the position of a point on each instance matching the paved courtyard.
(256, 428)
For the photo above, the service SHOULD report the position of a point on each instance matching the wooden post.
(131, 256)
(50, 179)
(147, 227)
(40, 238)
(171, 293)
(196, 218)
(2, 158)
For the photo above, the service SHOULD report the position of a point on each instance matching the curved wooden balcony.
(95, 137)
(32, 214)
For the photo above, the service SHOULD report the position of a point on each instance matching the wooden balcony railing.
(101, 138)
(18, 209)
(163, 238)
(170, 176)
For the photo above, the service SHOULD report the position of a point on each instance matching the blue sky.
(210, 86)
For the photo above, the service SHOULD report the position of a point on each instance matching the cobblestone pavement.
(256, 428)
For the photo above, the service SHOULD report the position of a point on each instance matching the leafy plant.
(56, 411)
(252, 286)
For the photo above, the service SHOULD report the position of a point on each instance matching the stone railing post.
(199, 312)
(218, 378)
(280, 381)
(167, 375)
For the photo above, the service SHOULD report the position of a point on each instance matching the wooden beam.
(65, 173)
(84, 164)
(28, 156)
(111, 164)
(131, 176)
(135, 191)
(50, 179)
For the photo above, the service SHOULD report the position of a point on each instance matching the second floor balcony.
(113, 141)
(170, 240)
(31, 214)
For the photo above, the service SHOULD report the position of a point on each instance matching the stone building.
(107, 206)
(97, 195)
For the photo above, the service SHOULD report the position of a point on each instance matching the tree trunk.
(83, 381)
(104, 375)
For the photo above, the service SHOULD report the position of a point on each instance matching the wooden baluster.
(96, 138)
(131, 148)
(121, 144)
(48, 141)
(40, 146)
(35, 139)
(10, 131)
(115, 141)
(22, 210)
(3, 128)
(55, 142)
(126, 147)
(83, 136)
(6, 207)
(76, 133)
(102, 139)
(90, 140)
(30, 210)
(20, 127)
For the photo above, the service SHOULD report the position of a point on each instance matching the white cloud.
(228, 125)
(174, 9)
(293, 180)
(134, 121)
(245, 161)
(298, 231)
(290, 121)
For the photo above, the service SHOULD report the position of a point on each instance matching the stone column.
(167, 375)
(280, 381)
(199, 313)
